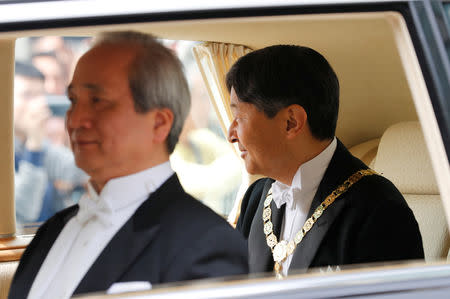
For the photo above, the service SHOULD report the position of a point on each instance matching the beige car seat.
(404, 159)
(366, 151)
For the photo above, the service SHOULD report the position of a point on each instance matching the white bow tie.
(90, 209)
(284, 194)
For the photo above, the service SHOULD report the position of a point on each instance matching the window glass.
(208, 167)
(46, 177)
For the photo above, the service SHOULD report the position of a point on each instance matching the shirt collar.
(306, 179)
(123, 191)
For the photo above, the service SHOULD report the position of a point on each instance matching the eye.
(96, 100)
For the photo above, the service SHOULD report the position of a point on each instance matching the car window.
(46, 177)
(370, 82)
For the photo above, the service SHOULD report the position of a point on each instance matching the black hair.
(28, 70)
(275, 77)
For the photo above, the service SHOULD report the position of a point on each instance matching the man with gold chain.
(319, 206)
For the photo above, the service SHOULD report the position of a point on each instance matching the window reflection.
(206, 164)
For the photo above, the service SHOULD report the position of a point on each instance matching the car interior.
(385, 117)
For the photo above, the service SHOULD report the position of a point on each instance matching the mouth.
(243, 152)
(80, 140)
(83, 143)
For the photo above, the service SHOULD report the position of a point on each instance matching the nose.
(232, 136)
(78, 116)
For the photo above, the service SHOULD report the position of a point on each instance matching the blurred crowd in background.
(46, 178)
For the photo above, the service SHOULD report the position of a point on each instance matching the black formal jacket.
(171, 237)
(371, 222)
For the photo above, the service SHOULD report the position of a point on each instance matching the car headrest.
(403, 158)
(366, 151)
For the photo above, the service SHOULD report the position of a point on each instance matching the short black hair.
(275, 77)
(28, 70)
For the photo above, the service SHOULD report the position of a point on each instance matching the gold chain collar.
(281, 250)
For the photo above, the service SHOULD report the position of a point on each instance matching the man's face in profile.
(258, 137)
(108, 137)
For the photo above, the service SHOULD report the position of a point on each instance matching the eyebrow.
(90, 86)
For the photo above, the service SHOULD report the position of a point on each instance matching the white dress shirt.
(299, 195)
(85, 236)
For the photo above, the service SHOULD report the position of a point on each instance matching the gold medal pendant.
(280, 251)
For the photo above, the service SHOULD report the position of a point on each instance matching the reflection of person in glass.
(207, 166)
(129, 99)
(56, 46)
(320, 205)
(53, 70)
(41, 167)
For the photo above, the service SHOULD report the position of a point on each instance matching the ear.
(163, 120)
(295, 120)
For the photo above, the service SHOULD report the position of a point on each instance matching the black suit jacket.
(371, 222)
(171, 237)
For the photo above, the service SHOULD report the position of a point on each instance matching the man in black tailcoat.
(319, 206)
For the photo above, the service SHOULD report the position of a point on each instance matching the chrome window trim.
(24, 11)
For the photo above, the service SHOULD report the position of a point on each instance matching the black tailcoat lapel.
(260, 255)
(129, 242)
(341, 167)
(32, 259)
